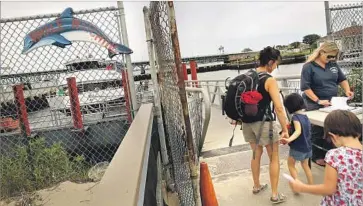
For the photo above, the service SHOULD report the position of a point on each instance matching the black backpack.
(236, 109)
(232, 105)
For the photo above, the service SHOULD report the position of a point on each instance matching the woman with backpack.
(258, 129)
(320, 77)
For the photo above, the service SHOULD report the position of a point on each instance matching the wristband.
(317, 101)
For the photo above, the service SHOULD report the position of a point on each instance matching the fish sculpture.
(67, 28)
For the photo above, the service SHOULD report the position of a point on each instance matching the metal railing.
(217, 88)
(200, 111)
(214, 88)
(287, 84)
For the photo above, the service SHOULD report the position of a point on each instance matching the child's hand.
(296, 185)
(285, 141)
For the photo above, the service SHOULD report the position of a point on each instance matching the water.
(289, 69)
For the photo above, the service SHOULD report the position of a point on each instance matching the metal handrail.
(207, 112)
(218, 85)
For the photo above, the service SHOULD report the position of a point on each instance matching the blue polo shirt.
(323, 82)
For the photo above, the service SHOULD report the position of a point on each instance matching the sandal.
(259, 189)
(279, 199)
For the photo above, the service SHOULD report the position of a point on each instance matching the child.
(300, 139)
(343, 181)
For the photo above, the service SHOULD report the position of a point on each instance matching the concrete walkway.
(230, 168)
(220, 131)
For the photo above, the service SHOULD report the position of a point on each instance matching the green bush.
(38, 167)
(353, 76)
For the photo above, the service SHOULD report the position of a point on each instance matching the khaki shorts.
(250, 131)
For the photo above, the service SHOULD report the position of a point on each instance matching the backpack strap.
(231, 140)
(262, 75)
(270, 131)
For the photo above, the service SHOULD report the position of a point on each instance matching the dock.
(230, 168)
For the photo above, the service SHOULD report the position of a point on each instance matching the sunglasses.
(331, 56)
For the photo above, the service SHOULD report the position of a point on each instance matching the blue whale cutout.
(66, 28)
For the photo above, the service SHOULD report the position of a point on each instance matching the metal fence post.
(22, 114)
(327, 17)
(125, 41)
(74, 102)
(157, 104)
(193, 71)
(183, 98)
(125, 85)
(185, 71)
(21, 110)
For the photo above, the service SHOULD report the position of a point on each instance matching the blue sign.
(67, 28)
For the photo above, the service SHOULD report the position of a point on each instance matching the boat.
(99, 85)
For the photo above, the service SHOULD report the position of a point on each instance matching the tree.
(279, 47)
(310, 39)
(295, 44)
(314, 45)
(246, 50)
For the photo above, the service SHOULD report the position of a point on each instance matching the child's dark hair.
(294, 102)
(343, 123)
(268, 54)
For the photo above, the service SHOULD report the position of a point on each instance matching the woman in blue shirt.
(320, 78)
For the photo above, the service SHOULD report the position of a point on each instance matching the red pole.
(74, 101)
(21, 109)
(184, 65)
(126, 93)
(193, 71)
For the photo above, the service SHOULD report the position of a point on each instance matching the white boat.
(99, 85)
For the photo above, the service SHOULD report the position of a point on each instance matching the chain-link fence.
(171, 87)
(345, 27)
(69, 111)
(195, 106)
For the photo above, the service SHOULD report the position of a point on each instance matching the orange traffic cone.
(207, 193)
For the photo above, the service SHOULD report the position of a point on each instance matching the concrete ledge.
(124, 180)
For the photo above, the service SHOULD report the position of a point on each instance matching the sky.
(204, 26)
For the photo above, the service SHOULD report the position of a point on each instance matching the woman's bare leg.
(256, 164)
(273, 153)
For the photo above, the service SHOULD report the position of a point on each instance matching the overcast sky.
(204, 26)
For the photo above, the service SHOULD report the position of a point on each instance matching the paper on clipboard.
(339, 103)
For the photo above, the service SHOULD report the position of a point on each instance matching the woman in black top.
(320, 78)
(269, 59)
